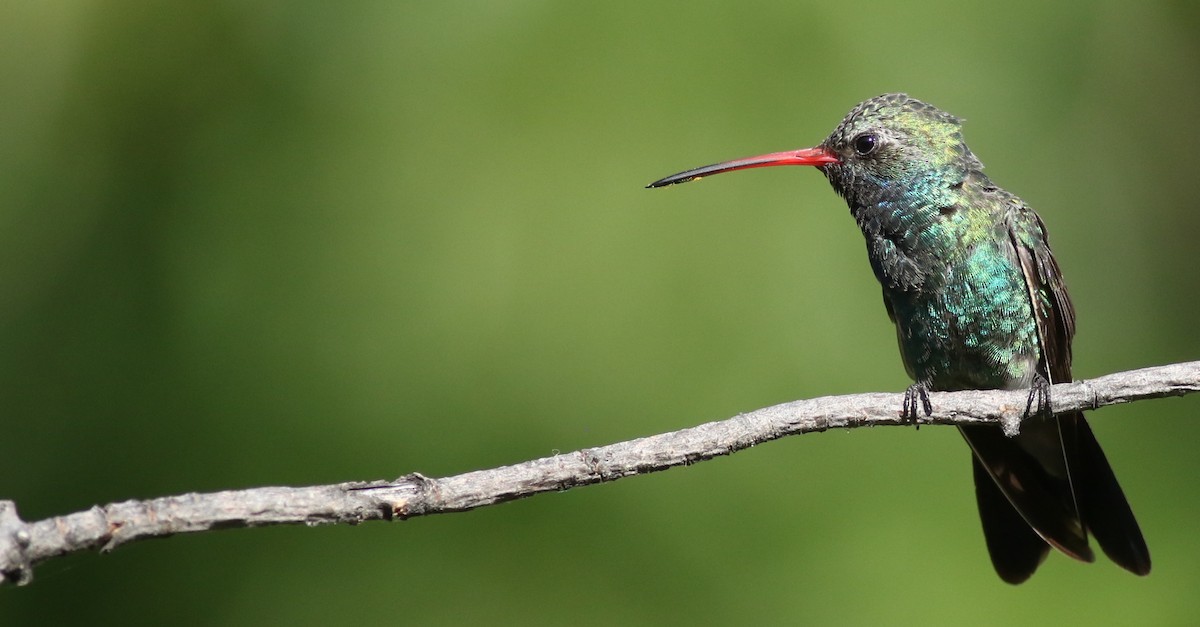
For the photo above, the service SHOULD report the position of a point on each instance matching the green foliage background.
(247, 244)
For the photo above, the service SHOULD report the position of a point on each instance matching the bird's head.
(883, 144)
(894, 140)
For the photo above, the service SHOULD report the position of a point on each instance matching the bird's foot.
(916, 398)
(1039, 398)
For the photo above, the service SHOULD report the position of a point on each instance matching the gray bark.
(24, 544)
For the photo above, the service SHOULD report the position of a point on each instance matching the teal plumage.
(936, 231)
(978, 302)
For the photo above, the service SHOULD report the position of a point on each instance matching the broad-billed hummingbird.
(979, 303)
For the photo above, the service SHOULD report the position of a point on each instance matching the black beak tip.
(670, 180)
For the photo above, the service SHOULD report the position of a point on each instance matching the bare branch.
(24, 544)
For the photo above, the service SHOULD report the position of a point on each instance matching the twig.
(106, 527)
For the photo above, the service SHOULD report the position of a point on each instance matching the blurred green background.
(249, 244)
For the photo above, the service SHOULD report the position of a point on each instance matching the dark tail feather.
(1016, 550)
(1043, 501)
(1105, 510)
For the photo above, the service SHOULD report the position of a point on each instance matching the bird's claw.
(1038, 403)
(916, 398)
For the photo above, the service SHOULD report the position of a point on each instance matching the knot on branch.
(14, 540)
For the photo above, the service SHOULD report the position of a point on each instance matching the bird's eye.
(865, 144)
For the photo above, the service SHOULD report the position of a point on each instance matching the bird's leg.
(916, 393)
(1039, 389)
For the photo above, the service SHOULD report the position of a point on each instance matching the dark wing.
(1024, 485)
(1052, 308)
(1096, 494)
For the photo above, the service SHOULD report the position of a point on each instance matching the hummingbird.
(978, 302)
